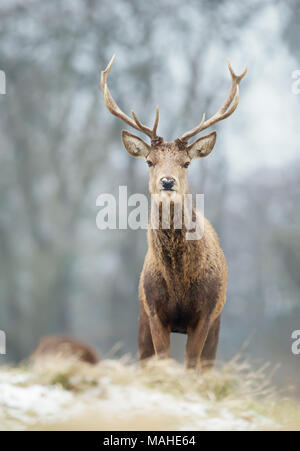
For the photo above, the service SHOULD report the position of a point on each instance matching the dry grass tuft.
(236, 380)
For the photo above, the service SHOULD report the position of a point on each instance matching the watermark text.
(296, 342)
(2, 82)
(2, 342)
(166, 212)
(296, 84)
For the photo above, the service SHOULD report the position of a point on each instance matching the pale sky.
(267, 119)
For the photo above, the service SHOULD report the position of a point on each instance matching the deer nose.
(167, 183)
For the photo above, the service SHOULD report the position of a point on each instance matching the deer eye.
(186, 165)
(149, 163)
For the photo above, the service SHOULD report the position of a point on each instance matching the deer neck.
(170, 245)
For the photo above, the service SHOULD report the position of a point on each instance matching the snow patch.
(22, 407)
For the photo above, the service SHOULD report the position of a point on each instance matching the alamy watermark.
(166, 212)
(2, 342)
(296, 84)
(2, 333)
(296, 343)
(2, 82)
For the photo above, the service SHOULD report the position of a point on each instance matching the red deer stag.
(183, 282)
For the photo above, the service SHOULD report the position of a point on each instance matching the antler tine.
(156, 120)
(104, 73)
(109, 101)
(116, 111)
(222, 112)
(194, 131)
(143, 127)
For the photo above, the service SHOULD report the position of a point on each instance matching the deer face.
(168, 162)
(168, 171)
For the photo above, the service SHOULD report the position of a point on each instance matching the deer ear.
(203, 146)
(134, 145)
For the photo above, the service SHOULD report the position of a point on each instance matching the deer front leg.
(146, 349)
(160, 336)
(155, 290)
(195, 342)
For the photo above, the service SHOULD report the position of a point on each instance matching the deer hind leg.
(195, 342)
(209, 352)
(145, 343)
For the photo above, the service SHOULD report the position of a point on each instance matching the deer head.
(168, 161)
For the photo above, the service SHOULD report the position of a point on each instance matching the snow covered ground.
(62, 394)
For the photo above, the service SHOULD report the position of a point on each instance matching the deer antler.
(223, 112)
(115, 110)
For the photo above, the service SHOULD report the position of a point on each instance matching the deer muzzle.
(167, 183)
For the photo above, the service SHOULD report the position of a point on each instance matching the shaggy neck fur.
(178, 257)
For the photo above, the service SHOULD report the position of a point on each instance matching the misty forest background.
(60, 149)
